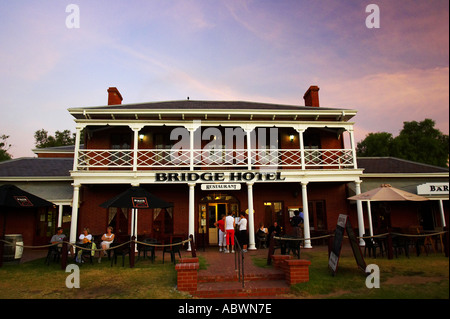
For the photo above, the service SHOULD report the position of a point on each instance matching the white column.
(302, 147)
(352, 141)
(306, 232)
(251, 220)
(369, 217)
(77, 147)
(359, 209)
(191, 148)
(441, 210)
(249, 149)
(135, 147)
(60, 214)
(191, 211)
(74, 218)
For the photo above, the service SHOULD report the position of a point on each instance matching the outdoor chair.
(371, 246)
(87, 252)
(420, 243)
(144, 248)
(261, 240)
(172, 250)
(400, 244)
(293, 245)
(119, 249)
(54, 252)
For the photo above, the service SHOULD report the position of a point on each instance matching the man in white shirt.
(229, 229)
(243, 238)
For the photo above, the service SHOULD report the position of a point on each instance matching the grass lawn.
(424, 277)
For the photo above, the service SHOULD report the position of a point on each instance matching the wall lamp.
(291, 137)
(141, 137)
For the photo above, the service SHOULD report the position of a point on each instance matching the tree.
(42, 139)
(375, 144)
(417, 141)
(4, 147)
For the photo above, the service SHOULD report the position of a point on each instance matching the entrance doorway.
(212, 207)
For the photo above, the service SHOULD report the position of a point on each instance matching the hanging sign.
(215, 187)
(139, 202)
(343, 224)
(433, 189)
(23, 201)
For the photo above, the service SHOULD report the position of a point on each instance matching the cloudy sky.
(255, 50)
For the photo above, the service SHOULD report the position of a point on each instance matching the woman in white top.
(107, 240)
(243, 238)
(86, 236)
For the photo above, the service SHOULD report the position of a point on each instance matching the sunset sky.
(261, 51)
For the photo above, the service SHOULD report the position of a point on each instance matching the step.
(235, 277)
(233, 289)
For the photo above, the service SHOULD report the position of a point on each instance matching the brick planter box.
(296, 271)
(278, 260)
(187, 275)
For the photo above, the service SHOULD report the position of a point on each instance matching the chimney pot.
(114, 96)
(311, 96)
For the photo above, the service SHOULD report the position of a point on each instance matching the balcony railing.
(214, 159)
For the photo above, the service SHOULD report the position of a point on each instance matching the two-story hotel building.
(212, 157)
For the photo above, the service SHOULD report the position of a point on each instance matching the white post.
(60, 214)
(135, 147)
(191, 148)
(306, 232)
(359, 209)
(352, 141)
(191, 211)
(74, 218)
(77, 147)
(441, 209)
(249, 150)
(251, 221)
(302, 147)
(369, 216)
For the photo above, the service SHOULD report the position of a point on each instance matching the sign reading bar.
(343, 224)
(214, 187)
(433, 189)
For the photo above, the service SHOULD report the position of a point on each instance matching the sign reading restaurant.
(218, 177)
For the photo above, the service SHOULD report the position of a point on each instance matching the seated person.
(275, 229)
(261, 234)
(107, 240)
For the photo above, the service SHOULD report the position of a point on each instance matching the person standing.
(222, 234)
(243, 238)
(229, 229)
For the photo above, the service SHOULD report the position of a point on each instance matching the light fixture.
(291, 137)
(141, 137)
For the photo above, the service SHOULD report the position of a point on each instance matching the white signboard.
(221, 187)
(433, 189)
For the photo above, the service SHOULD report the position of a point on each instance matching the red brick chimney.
(311, 96)
(114, 96)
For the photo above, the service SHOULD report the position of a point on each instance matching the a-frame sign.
(343, 224)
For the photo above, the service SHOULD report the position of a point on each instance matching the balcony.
(162, 159)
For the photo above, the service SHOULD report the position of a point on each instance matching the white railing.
(215, 158)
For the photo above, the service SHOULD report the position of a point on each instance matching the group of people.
(227, 226)
(84, 239)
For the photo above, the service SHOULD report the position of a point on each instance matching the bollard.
(271, 249)
(193, 248)
(64, 252)
(132, 251)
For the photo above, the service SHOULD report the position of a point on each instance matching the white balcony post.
(249, 148)
(74, 218)
(302, 146)
(306, 232)
(352, 141)
(191, 148)
(191, 211)
(441, 210)
(136, 129)
(77, 146)
(359, 210)
(369, 217)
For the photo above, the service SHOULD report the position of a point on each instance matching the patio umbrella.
(388, 193)
(385, 193)
(136, 198)
(12, 196)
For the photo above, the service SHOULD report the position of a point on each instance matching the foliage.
(4, 147)
(418, 142)
(42, 139)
